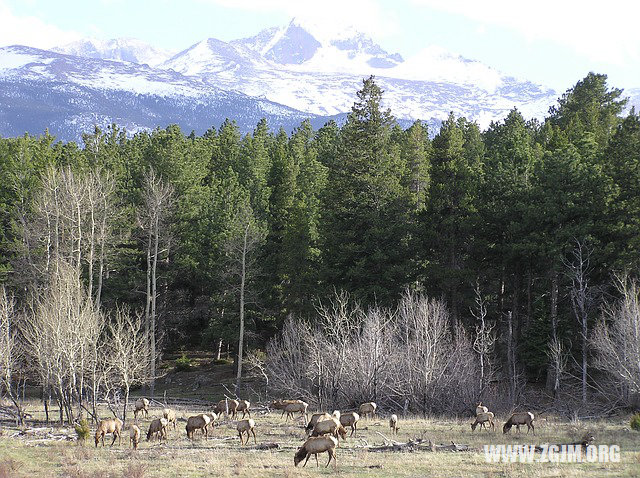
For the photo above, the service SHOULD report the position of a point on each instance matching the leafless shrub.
(411, 357)
(616, 341)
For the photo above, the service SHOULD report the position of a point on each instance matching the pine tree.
(366, 205)
(448, 222)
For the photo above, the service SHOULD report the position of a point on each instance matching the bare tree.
(72, 222)
(62, 335)
(408, 357)
(485, 339)
(616, 340)
(558, 357)
(127, 354)
(157, 205)
(10, 353)
(583, 297)
(241, 246)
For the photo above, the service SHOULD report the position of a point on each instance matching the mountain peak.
(127, 49)
(310, 46)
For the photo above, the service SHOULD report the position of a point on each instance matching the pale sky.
(551, 42)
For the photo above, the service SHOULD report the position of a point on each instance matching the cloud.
(30, 31)
(367, 16)
(599, 31)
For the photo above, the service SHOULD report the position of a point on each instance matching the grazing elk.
(482, 419)
(520, 418)
(316, 445)
(109, 425)
(246, 426)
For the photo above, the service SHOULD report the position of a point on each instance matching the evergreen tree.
(449, 220)
(588, 112)
(621, 161)
(366, 205)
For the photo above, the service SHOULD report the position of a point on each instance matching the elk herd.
(323, 430)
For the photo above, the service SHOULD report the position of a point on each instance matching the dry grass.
(222, 455)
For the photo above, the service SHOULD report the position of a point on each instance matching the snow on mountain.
(313, 70)
(69, 94)
(297, 48)
(437, 64)
(120, 49)
(634, 98)
(285, 73)
(214, 56)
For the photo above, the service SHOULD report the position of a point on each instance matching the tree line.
(519, 229)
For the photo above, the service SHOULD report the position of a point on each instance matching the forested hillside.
(525, 230)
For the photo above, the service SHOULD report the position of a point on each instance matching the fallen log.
(419, 444)
(267, 446)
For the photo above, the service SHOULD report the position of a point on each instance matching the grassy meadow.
(221, 454)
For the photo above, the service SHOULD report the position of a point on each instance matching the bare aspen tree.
(616, 340)
(127, 354)
(73, 222)
(558, 357)
(485, 339)
(511, 359)
(62, 337)
(426, 325)
(242, 243)
(337, 323)
(156, 209)
(10, 353)
(582, 300)
(551, 380)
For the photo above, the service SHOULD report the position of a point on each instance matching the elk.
(197, 422)
(228, 406)
(134, 436)
(246, 426)
(520, 418)
(109, 425)
(316, 445)
(393, 423)
(368, 408)
(350, 420)
(142, 407)
(481, 419)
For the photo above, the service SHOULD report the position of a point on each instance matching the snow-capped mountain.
(284, 74)
(296, 45)
(306, 69)
(120, 49)
(68, 94)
